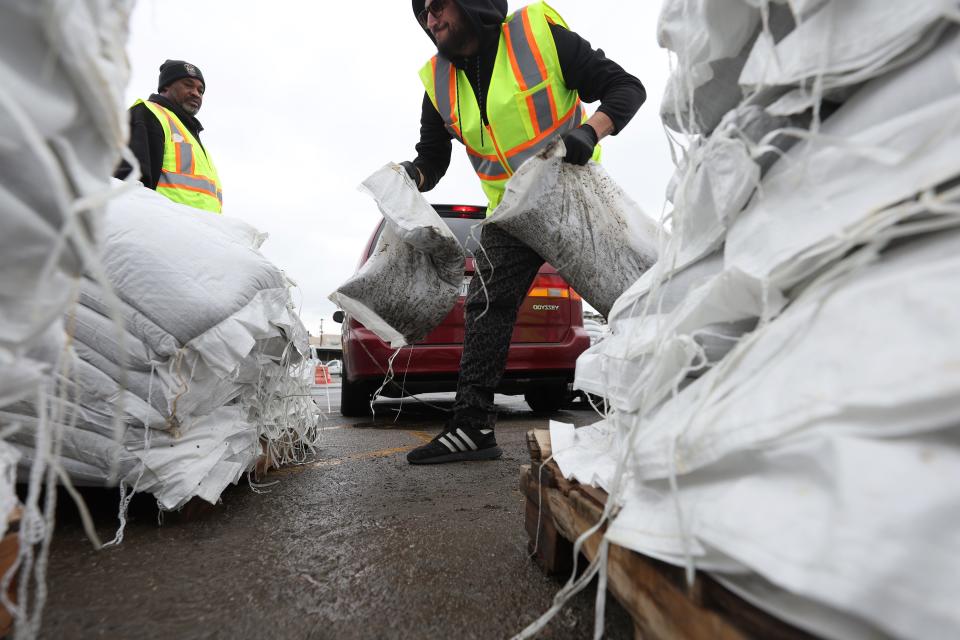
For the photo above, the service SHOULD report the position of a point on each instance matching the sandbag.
(62, 127)
(783, 460)
(847, 42)
(713, 40)
(111, 341)
(185, 270)
(580, 221)
(138, 326)
(663, 336)
(412, 279)
(902, 137)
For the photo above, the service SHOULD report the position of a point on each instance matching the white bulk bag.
(412, 279)
(62, 73)
(873, 348)
(580, 221)
(846, 42)
(894, 139)
(694, 319)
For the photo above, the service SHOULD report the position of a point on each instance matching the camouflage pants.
(508, 268)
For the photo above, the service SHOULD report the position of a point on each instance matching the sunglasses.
(435, 9)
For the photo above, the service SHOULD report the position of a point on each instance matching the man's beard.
(458, 39)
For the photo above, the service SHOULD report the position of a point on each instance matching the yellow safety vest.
(188, 175)
(528, 103)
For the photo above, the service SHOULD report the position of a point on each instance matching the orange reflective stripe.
(454, 88)
(486, 178)
(534, 46)
(184, 156)
(171, 180)
(444, 94)
(511, 54)
(500, 154)
(523, 50)
(485, 156)
(544, 135)
(184, 187)
(486, 166)
(532, 108)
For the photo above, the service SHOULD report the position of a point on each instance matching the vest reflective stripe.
(569, 122)
(446, 75)
(188, 175)
(190, 183)
(185, 158)
(525, 59)
(528, 103)
(487, 167)
(543, 110)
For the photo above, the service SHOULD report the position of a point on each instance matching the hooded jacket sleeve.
(434, 148)
(595, 77)
(146, 143)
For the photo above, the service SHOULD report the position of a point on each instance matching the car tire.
(546, 399)
(354, 398)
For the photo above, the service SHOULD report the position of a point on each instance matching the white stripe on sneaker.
(455, 441)
(447, 444)
(466, 439)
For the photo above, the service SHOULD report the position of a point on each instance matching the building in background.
(326, 347)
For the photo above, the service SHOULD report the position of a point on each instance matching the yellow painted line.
(422, 436)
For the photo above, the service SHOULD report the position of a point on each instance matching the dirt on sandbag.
(412, 279)
(580, 221)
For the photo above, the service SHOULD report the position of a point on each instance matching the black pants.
(508, 268)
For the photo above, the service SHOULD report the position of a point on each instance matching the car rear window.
(461, 229)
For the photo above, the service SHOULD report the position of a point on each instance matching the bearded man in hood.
(504, 87)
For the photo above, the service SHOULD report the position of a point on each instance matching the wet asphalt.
(355, 544)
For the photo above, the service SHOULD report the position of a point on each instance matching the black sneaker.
(456, 445)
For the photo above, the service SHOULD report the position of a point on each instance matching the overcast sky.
(305, 99)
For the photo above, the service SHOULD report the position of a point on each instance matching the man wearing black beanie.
(165, 139)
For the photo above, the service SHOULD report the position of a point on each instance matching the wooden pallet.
(9, 549)
(654, 593)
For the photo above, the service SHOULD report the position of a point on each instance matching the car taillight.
(468, 212)
(550, 286)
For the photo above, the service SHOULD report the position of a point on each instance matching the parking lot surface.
(354, 544)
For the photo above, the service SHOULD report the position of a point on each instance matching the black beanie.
(173, 70)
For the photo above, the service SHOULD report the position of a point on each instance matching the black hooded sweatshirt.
(585, 70)
(147, 139)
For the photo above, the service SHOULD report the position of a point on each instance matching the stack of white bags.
(783, 385)
(142, 343)
(197, 355)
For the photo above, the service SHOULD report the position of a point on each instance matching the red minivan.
(547, 340)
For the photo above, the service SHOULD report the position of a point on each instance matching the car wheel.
(354, 398)
(546, 399)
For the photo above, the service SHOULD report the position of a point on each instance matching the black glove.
(413, 172)
(580, 144)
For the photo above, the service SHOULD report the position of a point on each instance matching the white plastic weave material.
(184, 269)
(204, 321)
(900, 136)
(412, 279)
(812, 467)
(841, 490)
(691, 323)
(63, 126)
(846, 42)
